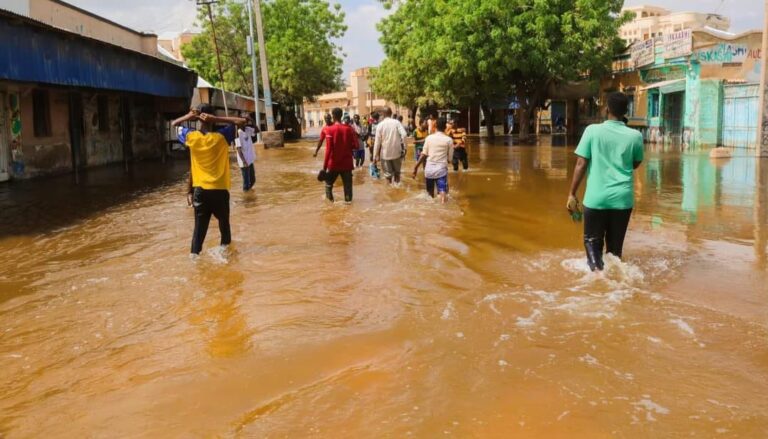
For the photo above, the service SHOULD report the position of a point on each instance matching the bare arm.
(422, 161)
(319, 145)
(578, 175)
(222, 120)
(192, 115)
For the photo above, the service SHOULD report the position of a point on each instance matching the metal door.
(673, 116)
(5, 138)
(740, 108)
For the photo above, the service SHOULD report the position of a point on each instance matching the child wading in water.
(437, 153)
(459, 136)
(419, 135)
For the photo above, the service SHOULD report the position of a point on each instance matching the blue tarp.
(35, 52)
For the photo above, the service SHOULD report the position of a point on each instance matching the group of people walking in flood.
(607, 155)
(438, 143)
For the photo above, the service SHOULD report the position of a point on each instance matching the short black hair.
(206, 108)
(376, 116)
(442, 124)
(328, 119)
(618, 104)
(337, 113)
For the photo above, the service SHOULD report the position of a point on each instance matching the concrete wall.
(146, 127)
(50, 154)
(33, 156)
(102, 147)
(76, 20)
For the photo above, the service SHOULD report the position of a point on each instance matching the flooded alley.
(392, 317)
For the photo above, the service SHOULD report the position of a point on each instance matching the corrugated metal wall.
(740, 109)
(36, 53)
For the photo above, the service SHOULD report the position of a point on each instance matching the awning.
(672, 86)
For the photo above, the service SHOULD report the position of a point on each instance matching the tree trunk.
(525, 121)
(488, 113)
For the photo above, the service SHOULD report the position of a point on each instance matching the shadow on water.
(46, 204)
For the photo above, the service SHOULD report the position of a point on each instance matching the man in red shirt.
(340, 142)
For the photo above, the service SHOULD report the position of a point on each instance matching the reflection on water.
(392, 317)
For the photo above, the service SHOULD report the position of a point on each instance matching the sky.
(360, 44)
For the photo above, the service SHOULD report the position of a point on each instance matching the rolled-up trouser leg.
(594, 237)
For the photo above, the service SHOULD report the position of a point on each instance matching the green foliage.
(472, 51)
(302, 58)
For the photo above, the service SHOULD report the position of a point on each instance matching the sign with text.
(678, 44)
(643, 53)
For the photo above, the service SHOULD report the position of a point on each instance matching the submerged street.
(391, 317)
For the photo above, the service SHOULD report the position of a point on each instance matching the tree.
(473, 52)
(303, 59)
(395, 84)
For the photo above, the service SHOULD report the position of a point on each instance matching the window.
(41, 113)
(631, 106)
(654, 99)
(103, 112)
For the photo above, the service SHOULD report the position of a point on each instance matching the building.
(693, 87)
(653, 21)
(173, 43)
(78, 91)
(357, 98)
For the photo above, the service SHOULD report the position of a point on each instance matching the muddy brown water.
(392, 317)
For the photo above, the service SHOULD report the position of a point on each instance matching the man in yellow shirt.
(209, 155)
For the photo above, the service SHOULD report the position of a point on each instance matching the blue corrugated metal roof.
(34, 52)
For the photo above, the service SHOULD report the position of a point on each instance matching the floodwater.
(392, 317)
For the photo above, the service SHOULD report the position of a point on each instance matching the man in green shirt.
(609, 152)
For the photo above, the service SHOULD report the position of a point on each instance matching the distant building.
(691, 87)
(173, 44)
(357, 98)
(64, 16)
(77, 91)
(653, 21)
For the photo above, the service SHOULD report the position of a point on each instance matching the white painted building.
(654, 21)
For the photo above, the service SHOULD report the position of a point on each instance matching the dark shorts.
(441, 183)
(359, 153)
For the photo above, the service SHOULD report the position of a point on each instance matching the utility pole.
(252, 52)
(208, 4)
(761, 148)
(264, 69)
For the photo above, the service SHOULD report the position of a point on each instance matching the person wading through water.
(609, 152)
(209, 156)
(390, 146)
(340, 142)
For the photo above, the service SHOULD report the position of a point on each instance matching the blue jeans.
(249, 177)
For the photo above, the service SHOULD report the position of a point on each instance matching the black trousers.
(604, 228)
(346, 179)
(460, 155)
(249, 177)
(209, 202)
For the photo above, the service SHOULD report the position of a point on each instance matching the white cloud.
(361, 42)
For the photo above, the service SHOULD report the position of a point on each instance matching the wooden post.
(762, 125)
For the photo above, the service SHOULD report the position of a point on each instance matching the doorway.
(76, 131)
(673, 116)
